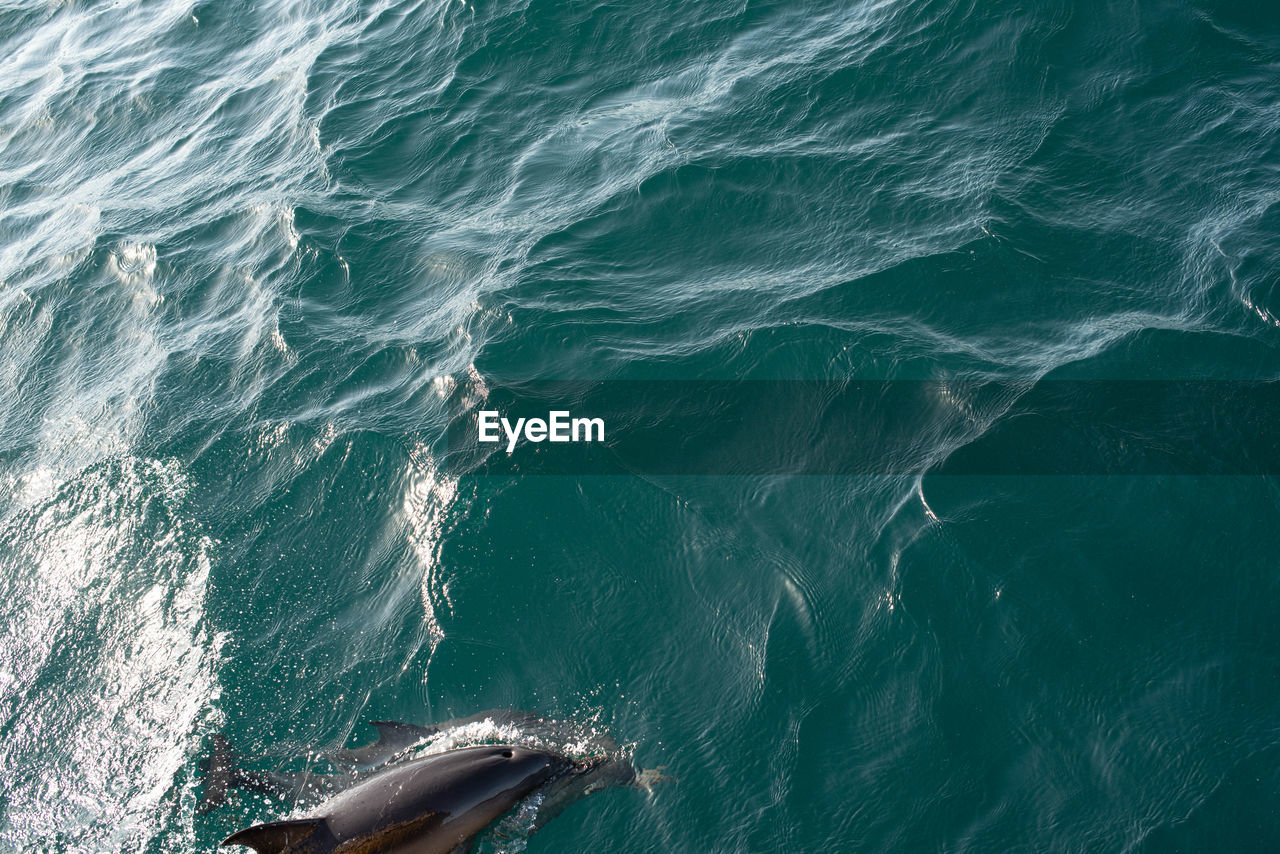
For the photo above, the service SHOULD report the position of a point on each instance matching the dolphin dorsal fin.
(281, 837)
(395, 732)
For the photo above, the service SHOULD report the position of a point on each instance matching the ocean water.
(259, 260)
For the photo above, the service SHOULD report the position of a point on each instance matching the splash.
(427, 499)
(574, 738)
(107, 665)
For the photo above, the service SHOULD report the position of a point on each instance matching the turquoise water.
(255, 259)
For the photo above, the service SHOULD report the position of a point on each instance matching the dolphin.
(394, 738)
(433, 805)
(222, 775)
(360, 777)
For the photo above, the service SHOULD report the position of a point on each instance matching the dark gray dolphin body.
(433, 805)
(393, 739)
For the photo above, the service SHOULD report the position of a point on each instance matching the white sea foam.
(427, 499)
(108, 666)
